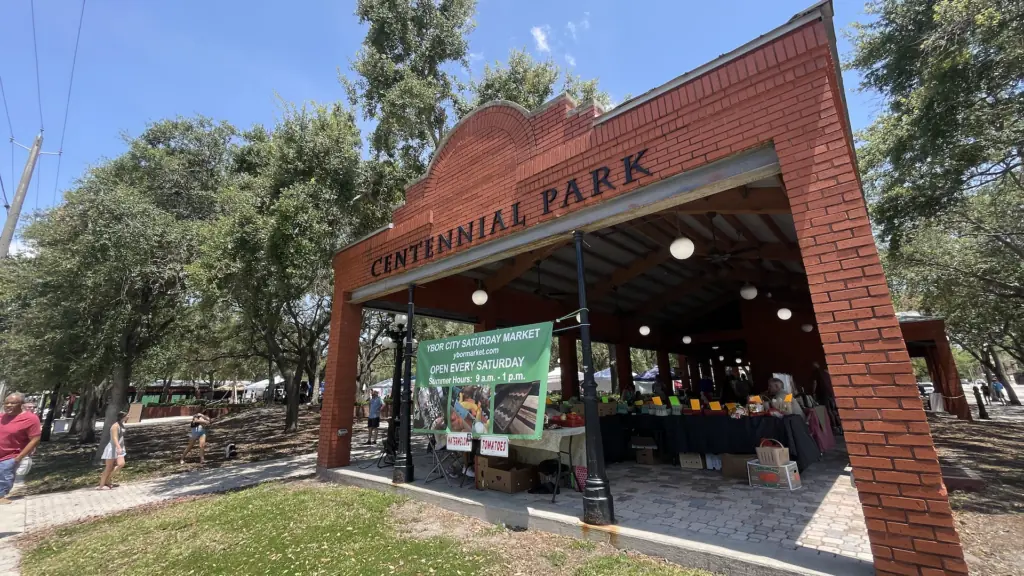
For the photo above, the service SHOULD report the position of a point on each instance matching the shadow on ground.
(154, 450)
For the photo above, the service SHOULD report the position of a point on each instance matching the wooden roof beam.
(740, 201)
(519, 265)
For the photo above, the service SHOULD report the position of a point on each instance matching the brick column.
(567, 363)
(340, 390)
(910, 524)
(624, 367)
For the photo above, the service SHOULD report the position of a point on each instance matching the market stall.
(707, 434)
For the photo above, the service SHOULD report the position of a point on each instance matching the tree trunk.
(311, 378)
(48, 423)
(165, 394)
(291, 419)
(87, 427)
(118, 394)
(1004, 378)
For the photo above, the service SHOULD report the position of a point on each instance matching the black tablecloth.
(708, 435)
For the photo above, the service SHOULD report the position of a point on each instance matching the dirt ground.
(154, 449)
(990, 522)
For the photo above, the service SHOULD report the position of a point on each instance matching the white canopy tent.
(257, 389)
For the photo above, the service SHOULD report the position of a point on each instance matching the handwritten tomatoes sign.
(488, 383)
(494, 446)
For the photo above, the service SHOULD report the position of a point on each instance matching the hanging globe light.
(645, 330)
(785, 313)
(721, 358)
(479, 297)
(681, 248)
(687, 339)
(807, 328)
(739, 360)
(748, 291)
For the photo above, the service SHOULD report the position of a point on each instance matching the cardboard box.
(645, 456)
(691, 461)
(735, 465)
(786, 477)
(510, 478)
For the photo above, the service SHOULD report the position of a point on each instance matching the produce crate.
(786, 477)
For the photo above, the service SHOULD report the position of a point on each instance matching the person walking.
(113, 453)
(197, 433)
(20, 432)
(373, 424)
(997, 392)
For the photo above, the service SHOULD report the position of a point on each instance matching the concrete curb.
(760, 560)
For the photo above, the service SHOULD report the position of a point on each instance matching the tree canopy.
(951, 74)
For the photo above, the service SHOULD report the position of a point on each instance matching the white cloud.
(475, 56)
(574, 27)
(570, 59)
(540, 36)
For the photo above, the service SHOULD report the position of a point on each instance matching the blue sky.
(234, 60)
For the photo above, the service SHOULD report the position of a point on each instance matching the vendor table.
(551, 441)
(709, 435)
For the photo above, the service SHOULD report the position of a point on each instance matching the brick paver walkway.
(46, 510)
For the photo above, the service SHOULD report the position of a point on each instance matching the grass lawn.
(310, 528)
(154, 449)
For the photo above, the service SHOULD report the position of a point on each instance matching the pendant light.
(721, 358)
(681, 248)
(480, 297)
(785, 313)
(807, 328)
(748, 291)
(645, 330)
(687, 339)
(739, 360)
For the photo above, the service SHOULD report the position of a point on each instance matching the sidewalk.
(46, 510)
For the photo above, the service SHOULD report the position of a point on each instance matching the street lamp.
(598, 508)
(403, 456)
(395, 335)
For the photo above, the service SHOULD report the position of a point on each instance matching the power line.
(7, 205)
(35, 51)
(67, 104)
(10, 127)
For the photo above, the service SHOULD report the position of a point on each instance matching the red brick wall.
(785, 94)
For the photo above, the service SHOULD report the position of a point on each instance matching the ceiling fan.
(716, 255)
(540, 290)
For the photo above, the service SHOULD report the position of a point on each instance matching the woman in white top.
(113, 453)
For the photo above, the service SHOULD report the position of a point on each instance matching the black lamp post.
(396, 336)
(597, 495)
(403, 458)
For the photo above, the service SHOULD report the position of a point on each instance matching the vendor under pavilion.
(717, 220)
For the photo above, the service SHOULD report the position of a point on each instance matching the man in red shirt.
(19, 436)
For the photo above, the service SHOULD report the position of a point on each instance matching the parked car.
(925, 388)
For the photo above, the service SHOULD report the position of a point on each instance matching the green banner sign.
(485, 383)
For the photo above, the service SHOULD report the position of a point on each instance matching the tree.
(293, 200)
(405, 78)
(530, 84)
(952, 77)
(115, 251)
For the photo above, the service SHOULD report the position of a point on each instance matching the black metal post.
(403, 459)
(391, 444)
(597, 494)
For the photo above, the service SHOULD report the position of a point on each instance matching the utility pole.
(19, 196)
